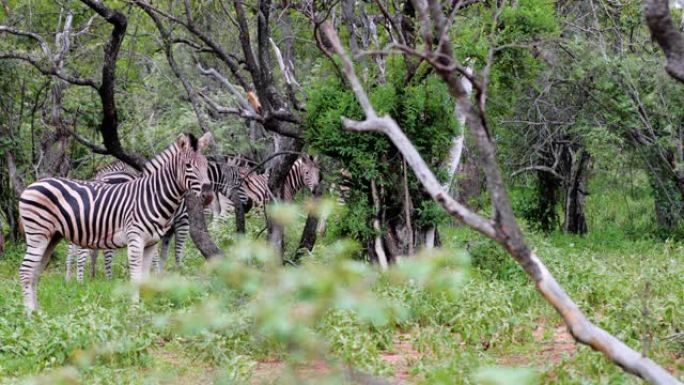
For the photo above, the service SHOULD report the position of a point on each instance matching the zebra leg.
(108, 256)
(80, 263)
(135, 265)
(93, 263)
(181, 237)
(164, 252)
(38, 251)
(149, 254)
(71, 254)
(155, 261)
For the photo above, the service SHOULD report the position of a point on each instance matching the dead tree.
(250, 78)
(52, 158)
(502, 227)
(105, 88)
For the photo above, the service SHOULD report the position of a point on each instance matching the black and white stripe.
(225, 179)
(99, 215)
(253, 190)
(117, 172)
(304, 173)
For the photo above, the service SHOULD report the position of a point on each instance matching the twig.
(539, 168)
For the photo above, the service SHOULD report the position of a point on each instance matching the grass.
(198, 329)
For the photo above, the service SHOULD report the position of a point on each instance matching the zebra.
(224, 179)
(116, 172)
(108, 216)
(304, 173)
(253, 190)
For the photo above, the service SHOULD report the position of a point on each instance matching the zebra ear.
(183, 142)
(204, 141)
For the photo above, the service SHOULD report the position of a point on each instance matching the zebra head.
(310, 172)
(194, 175)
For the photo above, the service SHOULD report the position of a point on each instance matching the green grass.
(199, 329)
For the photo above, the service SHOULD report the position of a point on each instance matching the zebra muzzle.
(207, 195)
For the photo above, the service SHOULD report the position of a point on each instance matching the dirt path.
(402, 356)
(550, 350)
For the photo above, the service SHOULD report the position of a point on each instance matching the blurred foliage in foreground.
(447, 317)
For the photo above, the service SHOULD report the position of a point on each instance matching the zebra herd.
(121, 208)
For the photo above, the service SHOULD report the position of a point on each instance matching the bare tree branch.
(86, 27)
(539, 168)
(50, 69)
(43, 44)
(396, 32)
(230, 110)
(287, 74)
(93, 147)
(228, 59)
(110, 120)
(6, 8)
(167, 42)
(223, 80)
(504, 230)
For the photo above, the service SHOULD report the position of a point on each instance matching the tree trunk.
(547, 199)
(2, 240)
(470, 183)
(667, 199)
(430, 237)
(575, 221)
(198, 233)
(310, 233)
(349, 19)
(11, 189)
(54, 144)
(408, 212)
(279, 168)
(392, 242)
(378, 248)
(239, 212)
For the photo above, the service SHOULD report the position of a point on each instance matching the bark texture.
(575, 220)
(665, 32)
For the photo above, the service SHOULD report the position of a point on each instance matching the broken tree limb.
(504, 229)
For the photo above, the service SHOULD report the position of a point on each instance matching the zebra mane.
(154, 164)
(193, 140)
(114, 167)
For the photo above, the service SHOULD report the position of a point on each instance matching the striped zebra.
(224, 179)
(304, 173)
(253, 189)
(117, 172)
(133, 214)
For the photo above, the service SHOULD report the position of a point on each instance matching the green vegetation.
(248, 320)
(423, 108)
(587, 127)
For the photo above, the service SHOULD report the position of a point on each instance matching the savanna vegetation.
(500, 196)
